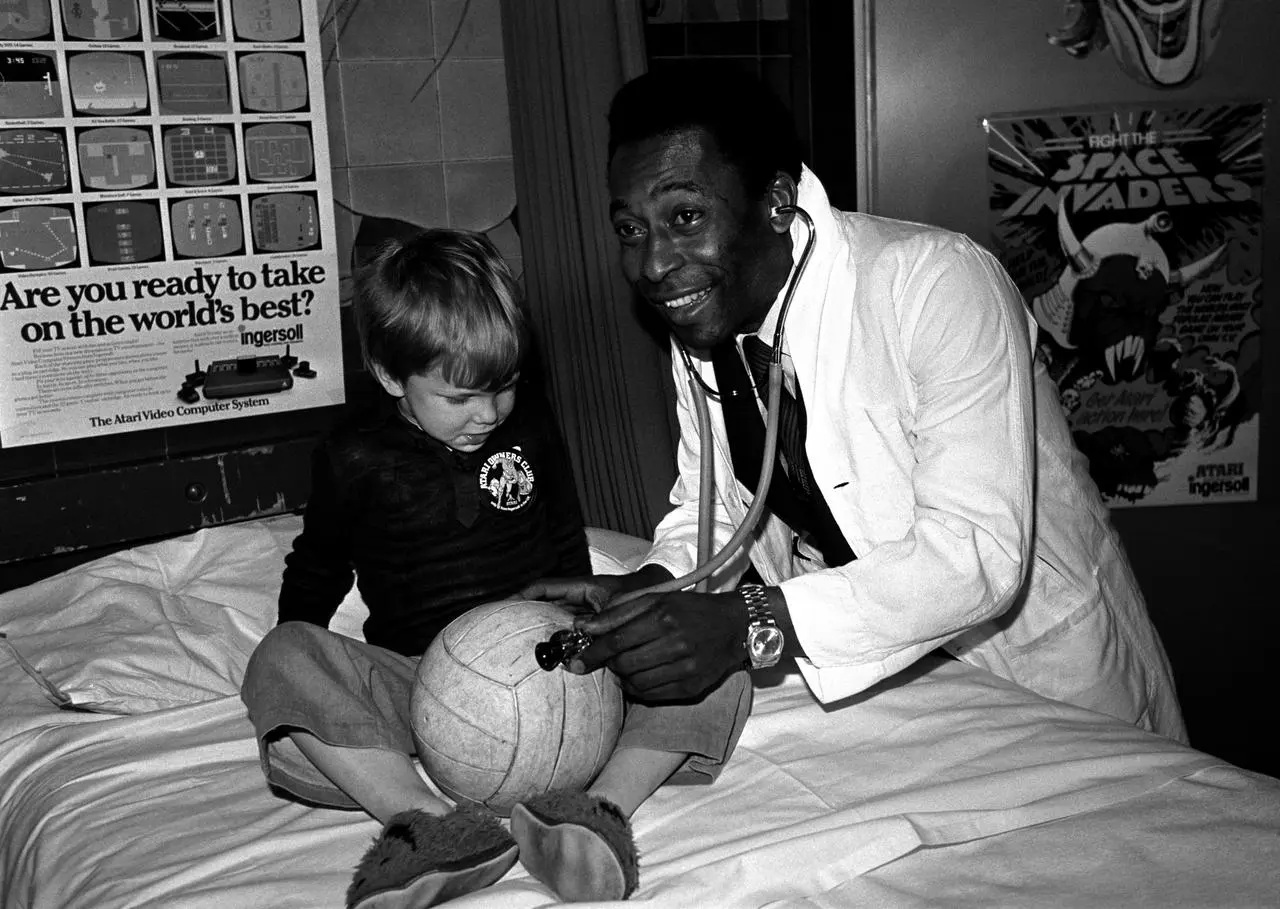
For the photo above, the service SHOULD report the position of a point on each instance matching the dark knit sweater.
(429, 532)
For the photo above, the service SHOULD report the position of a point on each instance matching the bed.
(942, 787)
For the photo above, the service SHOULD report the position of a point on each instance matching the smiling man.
(695, 241)
(927, 493)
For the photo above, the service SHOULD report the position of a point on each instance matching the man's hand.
(669, 646)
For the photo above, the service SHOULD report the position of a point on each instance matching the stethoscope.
(566, 644)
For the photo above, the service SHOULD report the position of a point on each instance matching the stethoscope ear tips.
(778, 214)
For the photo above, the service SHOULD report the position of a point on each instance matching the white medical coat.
(946, 460)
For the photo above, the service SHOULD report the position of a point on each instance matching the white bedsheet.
(944, 787)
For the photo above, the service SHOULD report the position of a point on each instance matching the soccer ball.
(492, 727)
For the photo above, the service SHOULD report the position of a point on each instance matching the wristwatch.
(764, 638)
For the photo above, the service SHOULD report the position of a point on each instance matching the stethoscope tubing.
(708, 565)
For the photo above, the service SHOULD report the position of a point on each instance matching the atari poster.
(167, 249)
(1135, 235)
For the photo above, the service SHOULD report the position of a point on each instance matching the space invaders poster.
(167, 249)
(1135, 235)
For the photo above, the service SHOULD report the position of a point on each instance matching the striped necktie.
(791, 417)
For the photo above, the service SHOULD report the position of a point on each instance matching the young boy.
(455, 493)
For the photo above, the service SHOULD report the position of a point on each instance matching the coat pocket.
(1052, 605)
(864, 468)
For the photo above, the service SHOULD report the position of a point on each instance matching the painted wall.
(937, 69)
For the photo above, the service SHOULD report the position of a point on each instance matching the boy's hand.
(589, 593)
(593, 590)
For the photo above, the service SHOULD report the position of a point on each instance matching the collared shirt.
(788, 368)
(766, 333)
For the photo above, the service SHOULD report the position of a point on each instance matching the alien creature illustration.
(1103, 315)
(1164, 43)
(1208, 403)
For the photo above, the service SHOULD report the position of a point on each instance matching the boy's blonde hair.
(441, 298)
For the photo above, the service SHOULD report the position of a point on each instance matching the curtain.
(607, 370)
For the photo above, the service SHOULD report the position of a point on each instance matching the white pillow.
(157, 626)
(613, 552)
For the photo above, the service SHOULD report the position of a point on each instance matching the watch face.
(765, 645)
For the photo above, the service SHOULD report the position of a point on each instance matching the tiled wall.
(419, 129)
(756, 31)
(801, 49)
(669, 11)
(763, 37)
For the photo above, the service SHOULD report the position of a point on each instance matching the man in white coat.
(936, 500)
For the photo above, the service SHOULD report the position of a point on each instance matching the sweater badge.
(509, 479)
